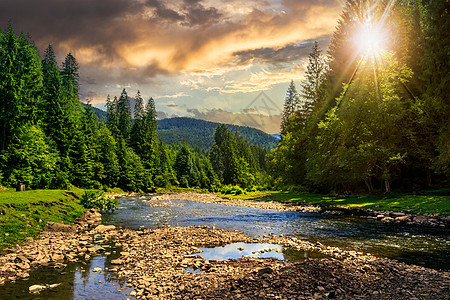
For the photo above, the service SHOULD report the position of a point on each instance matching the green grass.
(436, 204)
(24, 214)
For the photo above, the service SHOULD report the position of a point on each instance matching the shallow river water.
(411, 244)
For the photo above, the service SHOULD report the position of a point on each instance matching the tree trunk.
(20, 187)
(368, 182)
(387, 185)
(428, 178)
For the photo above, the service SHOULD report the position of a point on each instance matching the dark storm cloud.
(287, 54)
(97, 23)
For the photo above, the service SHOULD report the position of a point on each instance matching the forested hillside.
(50, 140)
(372, 115)
(200, 133)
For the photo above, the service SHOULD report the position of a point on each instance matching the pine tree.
(20, 84)
(112, 119)
(313, 87)
(291, 103)
(124, 115)
(137, 133)
(183, 165)
(108, 157)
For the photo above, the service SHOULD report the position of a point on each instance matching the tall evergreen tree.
(183, 165)
(313, 87)
(124, 115)
(291, 103)
(20, 84)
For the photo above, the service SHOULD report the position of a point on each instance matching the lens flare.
(370, 39)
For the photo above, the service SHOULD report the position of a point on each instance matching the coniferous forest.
(372, 120)
(50, 140)
(364, 120)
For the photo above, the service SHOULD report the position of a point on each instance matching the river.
(423, 246)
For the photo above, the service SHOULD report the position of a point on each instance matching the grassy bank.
(24, 214)
(436, 204)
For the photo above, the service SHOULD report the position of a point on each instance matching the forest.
(372, 115)
(50, 140)
(200, 133)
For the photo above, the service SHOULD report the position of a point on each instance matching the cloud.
(182, 49)
(161, 37)
(265, 79)
(174, 96)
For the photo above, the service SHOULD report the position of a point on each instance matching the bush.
(232, 190)
(97, 200)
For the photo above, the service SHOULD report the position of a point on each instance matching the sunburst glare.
(370, 39)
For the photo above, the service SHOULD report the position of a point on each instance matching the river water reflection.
(412, 244)
(77, 281)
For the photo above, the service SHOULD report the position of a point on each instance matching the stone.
(95, 248)
(266, 270)
(104, 228)
(58, 227)
(403, 218)
(117, 261)
(38, 288)
(95, 270)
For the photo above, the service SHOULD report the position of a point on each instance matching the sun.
(370, 39)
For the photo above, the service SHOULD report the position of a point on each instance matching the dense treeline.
(372, 120)
(49, 140)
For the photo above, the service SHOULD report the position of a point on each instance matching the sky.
(226, 61)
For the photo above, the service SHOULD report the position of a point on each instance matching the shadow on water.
(412, 244)
(78, 281)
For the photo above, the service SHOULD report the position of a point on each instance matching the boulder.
(104, 228)
(38, 288)
(403, 218)
(116, 262)
(58, 227)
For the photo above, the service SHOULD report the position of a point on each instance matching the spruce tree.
(124, 115)
(313, 87)
(291, 103)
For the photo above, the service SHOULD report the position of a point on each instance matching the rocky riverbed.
(156, 263)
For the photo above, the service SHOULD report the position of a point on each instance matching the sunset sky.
(206, 59)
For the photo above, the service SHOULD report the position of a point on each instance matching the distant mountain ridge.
(200, 133)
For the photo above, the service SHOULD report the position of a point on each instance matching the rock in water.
(35, 289)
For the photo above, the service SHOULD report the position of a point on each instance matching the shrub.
(97, 200)
(232, 190)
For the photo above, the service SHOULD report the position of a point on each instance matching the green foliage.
(97, 200)
(378, 121)
(291, 105)
(232, 190)
(30, 159)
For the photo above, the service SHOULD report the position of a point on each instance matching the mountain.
(201, 133)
